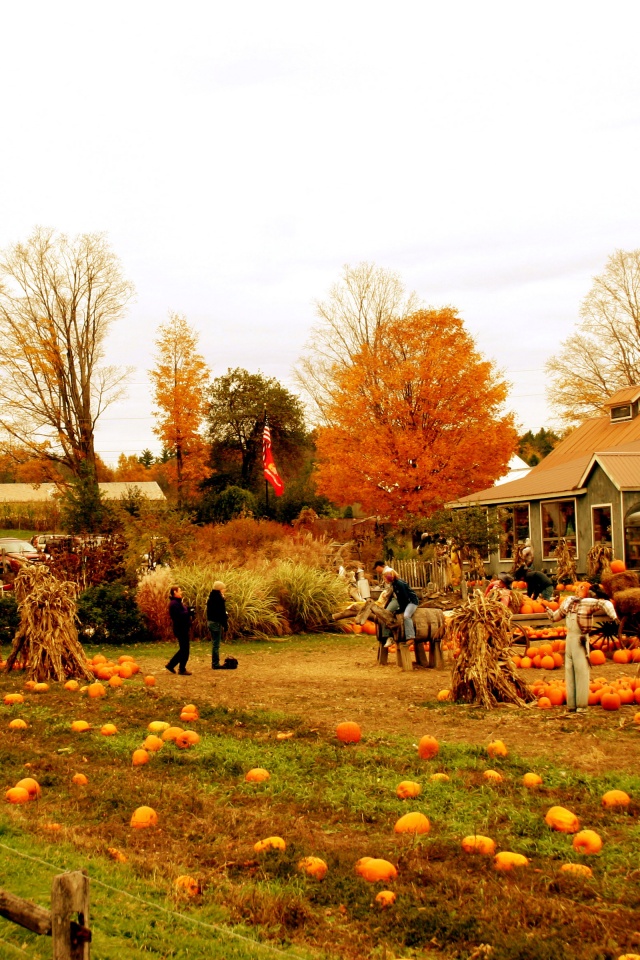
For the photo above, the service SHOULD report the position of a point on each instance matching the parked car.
(42, 540)
(15, 553)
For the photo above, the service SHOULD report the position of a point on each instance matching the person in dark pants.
(407, 600)
(538, 583)
(217, 620)
(181, 620)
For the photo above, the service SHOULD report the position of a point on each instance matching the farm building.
(586, 490)
(32, 493)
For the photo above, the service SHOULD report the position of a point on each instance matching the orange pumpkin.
(115, 681)
(408, 789)
(610, 701)
(79, 779)
(544, 703)
(313, 867)
(257, 775)
(144, 817)
(139, 758)
(493, 776)
(31, 786)
(577, 869)
(96, 690)
(559, 818)
(187, 885)
(587, 841)
(152, 744)
(428, 747)
(41, 688)
(17, 724)
(386, 898)
(497, 749)
(618, 566)
(72, 685)
(270, 843)
(109, 730)
(188, 738)
(13, 698)
(80, 726)
(616, 798)
(531, 780)
(440, 777)
(172, 733)
(149, 681)
(17, 795)
(412, 823)
(506, 861)
(348, 732)
(158, 726)
(479, 844)
(372, 870)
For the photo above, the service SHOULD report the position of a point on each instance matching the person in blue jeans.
(217, 620)
(407, 602)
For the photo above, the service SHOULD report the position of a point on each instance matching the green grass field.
(325, 799)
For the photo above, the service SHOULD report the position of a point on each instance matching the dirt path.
(324, 685)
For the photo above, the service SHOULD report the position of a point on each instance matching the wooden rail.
(420, 573)
(69, 896)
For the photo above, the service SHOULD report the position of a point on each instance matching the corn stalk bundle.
(47, 639)
(599, 561)
(516, 599)
(565, 556)
(518, 557)
(483, 672)
(476, 565)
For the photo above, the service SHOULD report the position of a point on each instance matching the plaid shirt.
(585, 610)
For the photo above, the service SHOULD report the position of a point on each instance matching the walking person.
(181, 621)
(217, 620)
(407, 602)
(579, 612)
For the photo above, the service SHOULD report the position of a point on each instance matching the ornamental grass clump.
(152, 597)
(308, 595)
(251, 607)
(46, 640)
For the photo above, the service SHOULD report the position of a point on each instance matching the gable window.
(601, 524)
(514, 520)
(621, 413)
(558, 520)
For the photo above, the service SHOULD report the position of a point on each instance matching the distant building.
(586, 490)
(20, 493)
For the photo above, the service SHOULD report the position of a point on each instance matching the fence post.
(70, 895)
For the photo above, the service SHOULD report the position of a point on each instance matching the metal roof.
(622, 468)
(625, 395)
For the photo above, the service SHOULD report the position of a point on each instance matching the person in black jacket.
(407, 602)
(538, 583)
(217, 620)
(181, 620)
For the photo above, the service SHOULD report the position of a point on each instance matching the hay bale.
(616, 582)
(627, 602)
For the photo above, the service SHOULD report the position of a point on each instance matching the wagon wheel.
(605, 636)
(519, 635)
(629, 631)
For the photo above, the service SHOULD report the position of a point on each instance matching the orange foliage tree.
(180, 378)
(415, 421)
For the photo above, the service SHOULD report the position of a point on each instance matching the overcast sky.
(238, 155)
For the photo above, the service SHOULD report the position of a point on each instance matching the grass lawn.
(325, 799)
(19, 534)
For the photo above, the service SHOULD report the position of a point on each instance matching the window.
(621, 413)
(558, 520)
(514, 521)
(601, 524)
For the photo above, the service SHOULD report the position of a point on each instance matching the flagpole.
(266, 494)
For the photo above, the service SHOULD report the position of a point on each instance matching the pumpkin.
(313, 867)
(17, 724)
(440, 777)
(544, 703)
(149, 681)
(152, 744)
(559, 818)
(139, 758)
(531, 780)
(408, 789)
(445, 695)
(191, 708)
(412, 823)
(618, 566)
(613, 798)
(172, 733)
(257, 775)
(72, 685)
(79, 779)
(13, 698)
(587, 841)
(622, 656)
(386, 898)
(99, 658)
(348, 732)
(369, 628)
(493, 776)
(108, 730)
(115, 681)
(188, 738)
(361, 863)
(479, 844)
(144, 817)
(187, 717)
(373, 870)
(17, 795)
(41, 688)
(187, 885)
(30, 684)
(497, 749)
(117, 855)
(610, 700)
(636, 717)
(506, 861)
(577, 869)
(157, 726)
(31, 786)
(270, 843)
(629, 956)
(428, 747)
(125, 672)
(80, 726)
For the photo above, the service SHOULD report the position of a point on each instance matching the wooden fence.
(420, 573)
(69, 895)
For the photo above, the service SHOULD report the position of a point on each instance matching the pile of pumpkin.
(350, 626)
(609, 694)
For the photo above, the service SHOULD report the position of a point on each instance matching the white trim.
(599, 506)
(542, 536)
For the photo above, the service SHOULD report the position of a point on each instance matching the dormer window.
(621, 413)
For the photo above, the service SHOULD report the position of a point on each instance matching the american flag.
(270, 472)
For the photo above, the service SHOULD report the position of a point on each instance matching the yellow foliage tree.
(414, 421)
(180, 379)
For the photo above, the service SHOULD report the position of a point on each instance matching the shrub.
(109, 614)
(251, 606)
(9, 617)
(251, 543)
(307, 595)
(152, 598)
(226, 506)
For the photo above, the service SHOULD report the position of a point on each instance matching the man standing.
(181, 620)
(217, 620)
(579, 612)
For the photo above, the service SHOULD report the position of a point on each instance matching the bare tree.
(603, 355)
(352, 316)
(58, 298)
